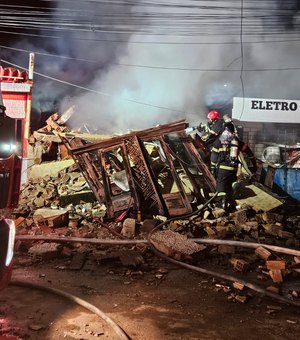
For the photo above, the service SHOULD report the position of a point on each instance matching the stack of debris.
(57, 201)
(58, 185)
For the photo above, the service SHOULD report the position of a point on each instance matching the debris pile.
(122, 185)
(66, 190)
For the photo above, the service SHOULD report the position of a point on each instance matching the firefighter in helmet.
(212, 129)
(224, 163)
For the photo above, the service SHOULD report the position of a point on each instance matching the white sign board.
(15, 87)
(266, 110)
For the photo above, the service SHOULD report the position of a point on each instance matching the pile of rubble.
(61, 203)
(176, 239)
(66, 190)
(273, 270)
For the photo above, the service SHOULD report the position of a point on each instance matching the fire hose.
(213, 273)
(117, 329)
(231, 278)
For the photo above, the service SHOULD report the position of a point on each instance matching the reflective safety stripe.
(213, 163)
(215, 149)
(221, 193)
(225, 167)
(218, 150)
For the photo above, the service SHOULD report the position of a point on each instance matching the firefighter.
(224, 164)
(212, 129)
(228, 119)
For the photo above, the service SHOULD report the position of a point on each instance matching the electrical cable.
(95, 91)
(155, 67)
(42, 36)
(92, 308)
(208, 20)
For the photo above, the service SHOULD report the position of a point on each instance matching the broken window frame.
(132, 145)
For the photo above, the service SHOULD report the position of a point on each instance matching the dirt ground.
(157, 300)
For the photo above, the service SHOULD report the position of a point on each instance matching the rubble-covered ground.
(148, 296)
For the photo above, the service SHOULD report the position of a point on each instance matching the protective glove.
(201, 127)
(190, 130)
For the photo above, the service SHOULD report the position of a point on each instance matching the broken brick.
(270, 217)
(240, 217)
(263, 253)
(238, 285)
(210, 231)
(297, 259)
(128, 229)
(276, 275)
(272, 229)
(239, 265)
(241, 298)
(19, 221)
(276, 265)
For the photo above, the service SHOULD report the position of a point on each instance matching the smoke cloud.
(127, 98)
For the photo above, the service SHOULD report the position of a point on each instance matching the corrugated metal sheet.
(289, 181)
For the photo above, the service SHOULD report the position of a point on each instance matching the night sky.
(118, 61)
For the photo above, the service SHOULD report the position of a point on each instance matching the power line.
(147, 42)
(94, 91)
(157, 67)
(198, 20)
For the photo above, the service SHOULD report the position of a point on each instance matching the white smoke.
(128, 97)
(141, 97)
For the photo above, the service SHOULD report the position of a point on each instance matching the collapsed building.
(121, 188)
(154, 171)
(158, 171)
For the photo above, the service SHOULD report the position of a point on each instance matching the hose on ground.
(117, 329)
(283, 250)
(213, 273)
(277, 249)
(182, 264)
(76, 240)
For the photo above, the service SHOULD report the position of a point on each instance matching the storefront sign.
(266, 110)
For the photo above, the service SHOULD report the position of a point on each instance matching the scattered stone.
(128, 229)
(263, 253)
(45, 251)
(238, 285)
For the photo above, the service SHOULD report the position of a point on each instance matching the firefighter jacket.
(220, 155)
(211, 131)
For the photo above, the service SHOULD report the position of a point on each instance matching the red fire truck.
(15, 107)
(7, 238)
(10, 160)
(10, 174)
